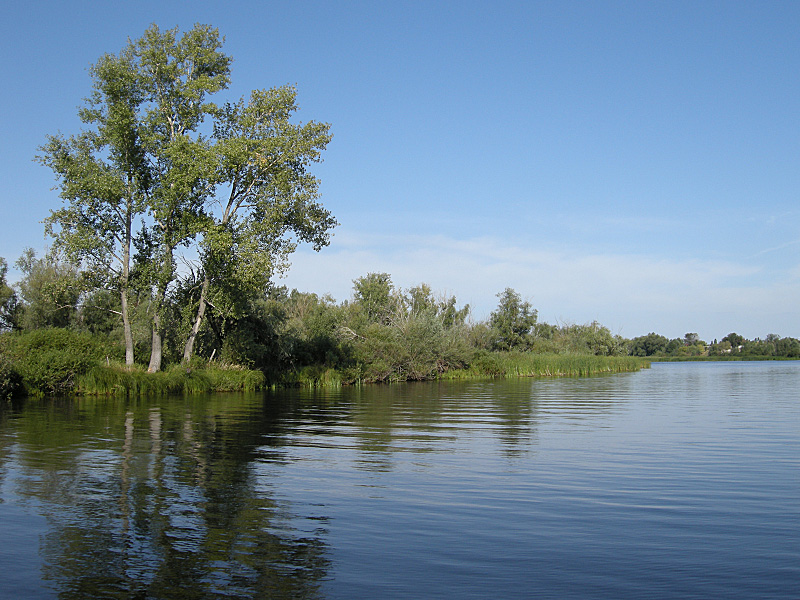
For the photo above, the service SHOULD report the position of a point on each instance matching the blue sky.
(635, 163)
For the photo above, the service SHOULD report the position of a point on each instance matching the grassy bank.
(62, 362)
(726, 358)
(488, 365)
(117, 380)
(57, 362)
(526, 364)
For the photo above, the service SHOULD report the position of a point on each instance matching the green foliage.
(382, 334)
(263, 159)
(316, 376)
(60, 361)
(313, 324)
(528, 364)
(9, 305)
(416, 347)
(255, 340)
(734, 339)
(773, 346)
(374, 295)
(788, 347)
(119, 380)
(104, 180)
(402, 337)
(10, 379)
(648, 345)
(50, 290)
(49, 361)
(512, 322)
(591, 338)
(143, 157)
(140, 155)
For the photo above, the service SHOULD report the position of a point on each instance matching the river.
(679, 481)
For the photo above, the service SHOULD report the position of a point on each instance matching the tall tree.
(149, 155)
(50, 290)
(104, 181)
(375, 294)
(142, 156)
(175, 76)
(512, 321)
(270, 203)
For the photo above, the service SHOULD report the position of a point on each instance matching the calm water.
(681, 481)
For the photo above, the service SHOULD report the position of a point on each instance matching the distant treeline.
(732, 345)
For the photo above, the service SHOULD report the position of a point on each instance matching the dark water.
(682, 481)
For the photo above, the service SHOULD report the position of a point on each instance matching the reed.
(486, 364)
(120, 380)
(313, 376)
(527, 364)
(115, 379)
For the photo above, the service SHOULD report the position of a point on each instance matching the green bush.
(10, 379)
(49, 361)
(413, 347)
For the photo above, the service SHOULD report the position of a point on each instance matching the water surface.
(681, 481)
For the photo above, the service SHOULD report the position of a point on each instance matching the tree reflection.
(197, 497)
(161, 501)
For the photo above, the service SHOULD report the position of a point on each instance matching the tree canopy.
(160, 166)
(512, 322)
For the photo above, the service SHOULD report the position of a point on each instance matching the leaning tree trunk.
(188, 350)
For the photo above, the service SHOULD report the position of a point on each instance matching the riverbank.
(725, 358)
(527, 364)
(483, 365)
(116, 379)
(119, 380)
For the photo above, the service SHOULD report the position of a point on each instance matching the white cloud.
(630, 293)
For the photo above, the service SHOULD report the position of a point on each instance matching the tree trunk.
(126, 267)
(155, 351)
(158, 304)
(188, 350)
(126, 326)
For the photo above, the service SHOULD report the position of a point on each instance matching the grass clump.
(528, 364)
(315, 376)
(117, 379)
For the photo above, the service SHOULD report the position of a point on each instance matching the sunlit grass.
(489, 364)
(117, 379)
(527, 364)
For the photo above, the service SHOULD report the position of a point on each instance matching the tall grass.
(119, 380)
(486, 364)
(314, 377)
(528, 364)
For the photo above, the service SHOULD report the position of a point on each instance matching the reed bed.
(527, 364)
(314, 377)
(119, 380)
(488, 364)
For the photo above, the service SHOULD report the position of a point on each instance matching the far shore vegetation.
(60, 339)
(176, 216)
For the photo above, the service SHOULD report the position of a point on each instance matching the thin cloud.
(776, 248)
(627, 292)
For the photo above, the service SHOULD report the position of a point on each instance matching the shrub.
(413, 347)
(49, 361)
(10, 380)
